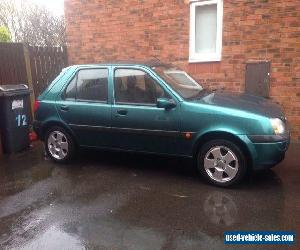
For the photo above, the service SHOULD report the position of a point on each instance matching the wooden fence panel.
(46, 63)
(12, 64)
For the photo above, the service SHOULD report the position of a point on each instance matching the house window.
(206, 19)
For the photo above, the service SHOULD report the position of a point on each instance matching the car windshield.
(180, 81)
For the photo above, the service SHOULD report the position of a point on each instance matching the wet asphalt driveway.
(129, 201)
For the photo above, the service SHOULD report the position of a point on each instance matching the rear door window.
(89, 85)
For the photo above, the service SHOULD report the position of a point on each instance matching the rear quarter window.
(70, 92)
(60, 76)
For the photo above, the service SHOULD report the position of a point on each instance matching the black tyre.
(59, 145)
(222, 162)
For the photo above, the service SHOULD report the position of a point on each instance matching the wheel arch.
(55, 123)
(225, 135)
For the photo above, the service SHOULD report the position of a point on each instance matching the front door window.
(134, 86)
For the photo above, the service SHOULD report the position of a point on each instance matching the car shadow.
(172, 166)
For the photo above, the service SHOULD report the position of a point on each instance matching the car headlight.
(278, 126)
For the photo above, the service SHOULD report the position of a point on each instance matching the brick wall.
(102, 30)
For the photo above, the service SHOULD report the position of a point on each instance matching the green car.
(157, 108)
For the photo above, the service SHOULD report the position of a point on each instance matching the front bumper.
(267, 151)
(270, 154)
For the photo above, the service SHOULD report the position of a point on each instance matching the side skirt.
(133, 151)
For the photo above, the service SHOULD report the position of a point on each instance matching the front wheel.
(222, 162)
(59, 145)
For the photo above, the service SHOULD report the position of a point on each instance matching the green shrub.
(4, 34)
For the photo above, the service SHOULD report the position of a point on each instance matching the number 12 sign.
(21, 120)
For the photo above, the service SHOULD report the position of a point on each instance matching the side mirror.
(166, 103)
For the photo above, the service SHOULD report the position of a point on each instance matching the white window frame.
(205, 57)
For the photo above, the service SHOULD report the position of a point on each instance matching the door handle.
(64, 108)
(122, 112)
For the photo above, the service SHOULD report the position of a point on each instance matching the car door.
(84, 106)
(137, 123)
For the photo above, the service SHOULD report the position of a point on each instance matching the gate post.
(29, 77)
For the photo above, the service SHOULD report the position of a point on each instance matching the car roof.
(149, 63)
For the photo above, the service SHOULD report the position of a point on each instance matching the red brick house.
(214, 40)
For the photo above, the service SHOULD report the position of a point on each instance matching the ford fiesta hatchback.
(156, 108)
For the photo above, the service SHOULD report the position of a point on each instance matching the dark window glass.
(136, 86)
(71, 90)
(92, 85)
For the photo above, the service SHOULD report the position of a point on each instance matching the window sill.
(205, 59)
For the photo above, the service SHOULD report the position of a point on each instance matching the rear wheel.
(222, 162)
(59, 145)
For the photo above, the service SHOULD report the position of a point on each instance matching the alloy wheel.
(221, 164)
(58, 145)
